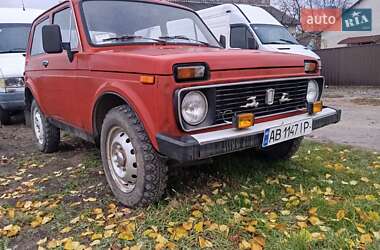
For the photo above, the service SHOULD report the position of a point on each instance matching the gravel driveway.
(360, 125)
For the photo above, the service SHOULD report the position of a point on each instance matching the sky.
(34, 4)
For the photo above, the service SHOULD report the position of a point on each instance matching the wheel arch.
(108, 100)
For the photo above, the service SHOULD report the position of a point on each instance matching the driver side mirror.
(252, 44)
(52, 39)
(223, 41)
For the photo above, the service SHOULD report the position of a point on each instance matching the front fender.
(139, 97)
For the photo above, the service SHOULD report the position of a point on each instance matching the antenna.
(23, 5)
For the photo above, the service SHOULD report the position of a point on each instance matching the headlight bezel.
(205, 111)
(191, 66)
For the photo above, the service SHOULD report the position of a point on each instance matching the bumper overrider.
(209, 144)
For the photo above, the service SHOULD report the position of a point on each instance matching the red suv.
(149, 82)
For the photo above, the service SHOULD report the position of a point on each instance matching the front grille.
(229, 99)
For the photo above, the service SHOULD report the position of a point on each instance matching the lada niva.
(150, 84)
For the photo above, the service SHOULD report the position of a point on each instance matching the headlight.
(185, 73)
(312, 91)
(14, 82)
(194, 108)
(2, 83)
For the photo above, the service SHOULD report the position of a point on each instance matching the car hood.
(12, 65)
(293, 49)
(160, 60)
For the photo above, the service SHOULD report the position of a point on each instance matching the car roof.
(164, 2)
(257, 15)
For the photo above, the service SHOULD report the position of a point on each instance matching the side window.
(37, 47)
(66, 22)
(239, 37)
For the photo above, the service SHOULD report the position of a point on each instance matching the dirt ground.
(360, 125)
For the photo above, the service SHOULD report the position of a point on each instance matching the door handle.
(45, 63)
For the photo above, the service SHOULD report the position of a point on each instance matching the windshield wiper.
(184, 38)
(132, 37)
(15, 50)
(288, 41)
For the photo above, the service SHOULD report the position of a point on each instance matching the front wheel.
(135, 172)
(47, 136)
(281, 151)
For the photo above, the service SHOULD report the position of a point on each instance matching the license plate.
(287, 132)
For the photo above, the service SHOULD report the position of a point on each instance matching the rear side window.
(239, 37)
(37, 47)
(66, 22)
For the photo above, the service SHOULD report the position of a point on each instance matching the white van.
(15, 24)
(249, 27)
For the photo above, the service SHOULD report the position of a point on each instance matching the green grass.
(235, 191)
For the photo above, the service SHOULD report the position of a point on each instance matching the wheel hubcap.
(121, 159)
(38, 127)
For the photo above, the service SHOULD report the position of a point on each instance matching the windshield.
(110, 22)
(13, 37)
(273, 34)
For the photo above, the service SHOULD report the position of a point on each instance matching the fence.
(351, 66)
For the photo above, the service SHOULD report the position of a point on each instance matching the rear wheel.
(281, 151)
(135, 172)
(47, 136)
(5, 118)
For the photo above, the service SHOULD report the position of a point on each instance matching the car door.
(240, 34)
(34, 66)
(59, 83)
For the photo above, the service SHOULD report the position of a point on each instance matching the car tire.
(281, 151)
(47, 136)
(136, 173)
(5, 118)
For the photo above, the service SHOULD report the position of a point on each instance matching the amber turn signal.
(188, 73)
(245, 120)
(311, 67)
(145, 79)
(315, 107)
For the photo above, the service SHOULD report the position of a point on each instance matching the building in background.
(290, 22)
(333, 39)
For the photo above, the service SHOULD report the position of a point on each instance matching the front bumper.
(12, 101)
(209, 144)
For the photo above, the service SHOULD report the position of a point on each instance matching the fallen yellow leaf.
(108, 233)
(75, 220)
(47, 219)
(198, 227)
(197, 214)
(66, 230)
(203, 243)
(244, 245)
(12, 230)
(366, 239)
(187, 225)
(96, 236)
(314, 220)
(340, 214)
(179, 233)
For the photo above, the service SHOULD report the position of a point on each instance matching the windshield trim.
(89, 41)
(288, 44)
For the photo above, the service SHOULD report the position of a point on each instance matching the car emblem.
(285, 98)
(252, 103)
(269, 97)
